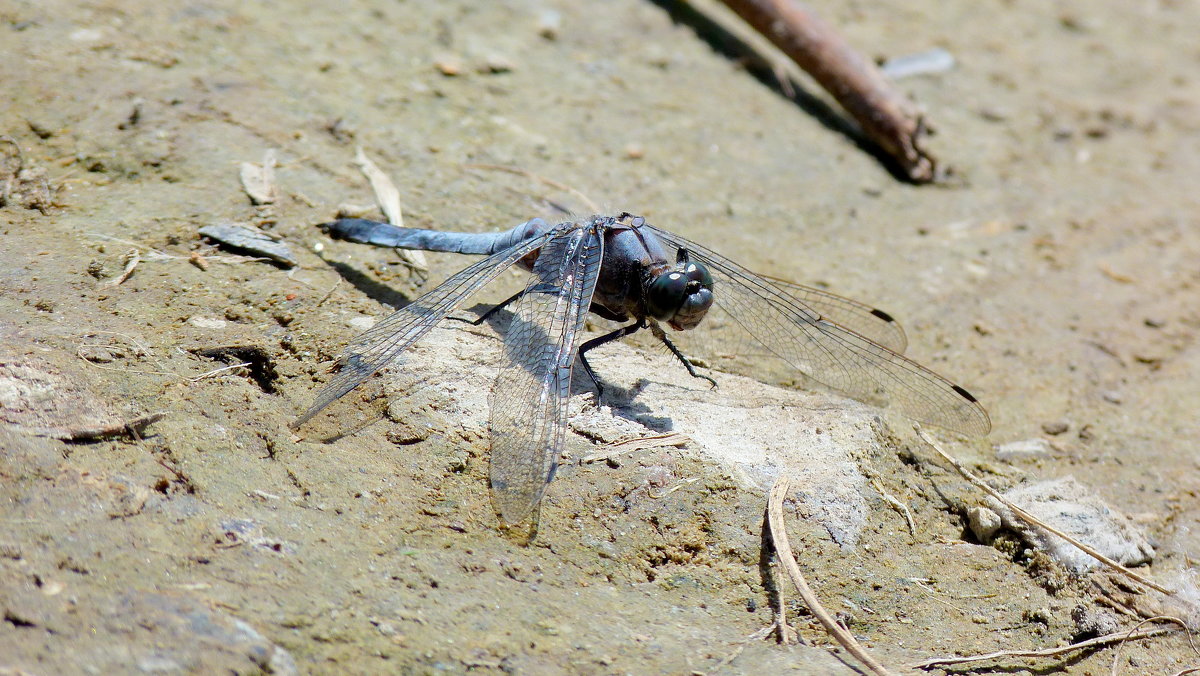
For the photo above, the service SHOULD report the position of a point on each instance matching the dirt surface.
(1055, 276)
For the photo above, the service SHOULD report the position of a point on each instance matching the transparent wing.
(529, 400)
(868, 322)
(372, 350)
(795, 331)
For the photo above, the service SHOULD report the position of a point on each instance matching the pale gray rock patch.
(1074, 509)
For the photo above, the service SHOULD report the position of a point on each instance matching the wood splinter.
(132, 428)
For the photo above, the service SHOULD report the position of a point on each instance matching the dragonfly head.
(682, 295)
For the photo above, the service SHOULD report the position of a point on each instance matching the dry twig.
(672, 489)
(783, 549)
(1157, 618)
(899, 506)
(209, 374)
(329, 292)
(386, 193)
(783, 631)
(1031, 519)
(133, 428)
(388, 198)
(617, 448)
(132, 258)
(1115, 637)
(886, 116)
(258, 180)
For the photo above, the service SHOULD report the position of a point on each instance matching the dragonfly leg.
(597, 342)
(493, 310)
(687, 364)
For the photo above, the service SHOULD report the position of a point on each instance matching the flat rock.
(250, 240)
(1074, 509)
(752, 431)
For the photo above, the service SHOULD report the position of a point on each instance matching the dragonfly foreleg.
(687, 364)
(597, 342)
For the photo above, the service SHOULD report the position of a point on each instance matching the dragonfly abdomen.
(365, 231)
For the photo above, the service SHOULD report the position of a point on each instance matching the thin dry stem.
(783, 630)
(1029, 518)
(1157, 618)
(783, 550)
(388, 198)
(214, 372)
(618, 448)
(1115, 637)
(132, 428)
(132, 258)
(899, 506)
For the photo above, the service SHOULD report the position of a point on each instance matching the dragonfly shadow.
(376, 291)
(623, 402)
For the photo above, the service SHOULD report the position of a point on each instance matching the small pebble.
(497, 64)
(86, 35)
(1039, 615)
(1076, 510)
(1023, 450)
(932, 61)
(1112, 396)
(386, 628)
(362, 322)
(206, 322)
(993, 114)
(198, 259)
(983, 328)
(634, 151)
(251, 240)
(347, 210)
(448, 66)
(1091, 622)
(983, 522)
(96, 354)
(549, 24)
(1055, 427)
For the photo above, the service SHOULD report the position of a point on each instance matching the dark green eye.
(686, 291)
(698, 273)
(666, 294)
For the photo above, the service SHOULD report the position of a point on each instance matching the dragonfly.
(624, 269)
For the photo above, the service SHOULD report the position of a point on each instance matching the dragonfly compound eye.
(698, 273)
(681, 297)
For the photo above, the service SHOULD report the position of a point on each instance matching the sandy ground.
(1056, 277)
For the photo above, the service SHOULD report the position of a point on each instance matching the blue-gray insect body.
(624, 269)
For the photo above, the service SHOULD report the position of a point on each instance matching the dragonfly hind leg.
(687, 364)
(491, 311)
(597, 342)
